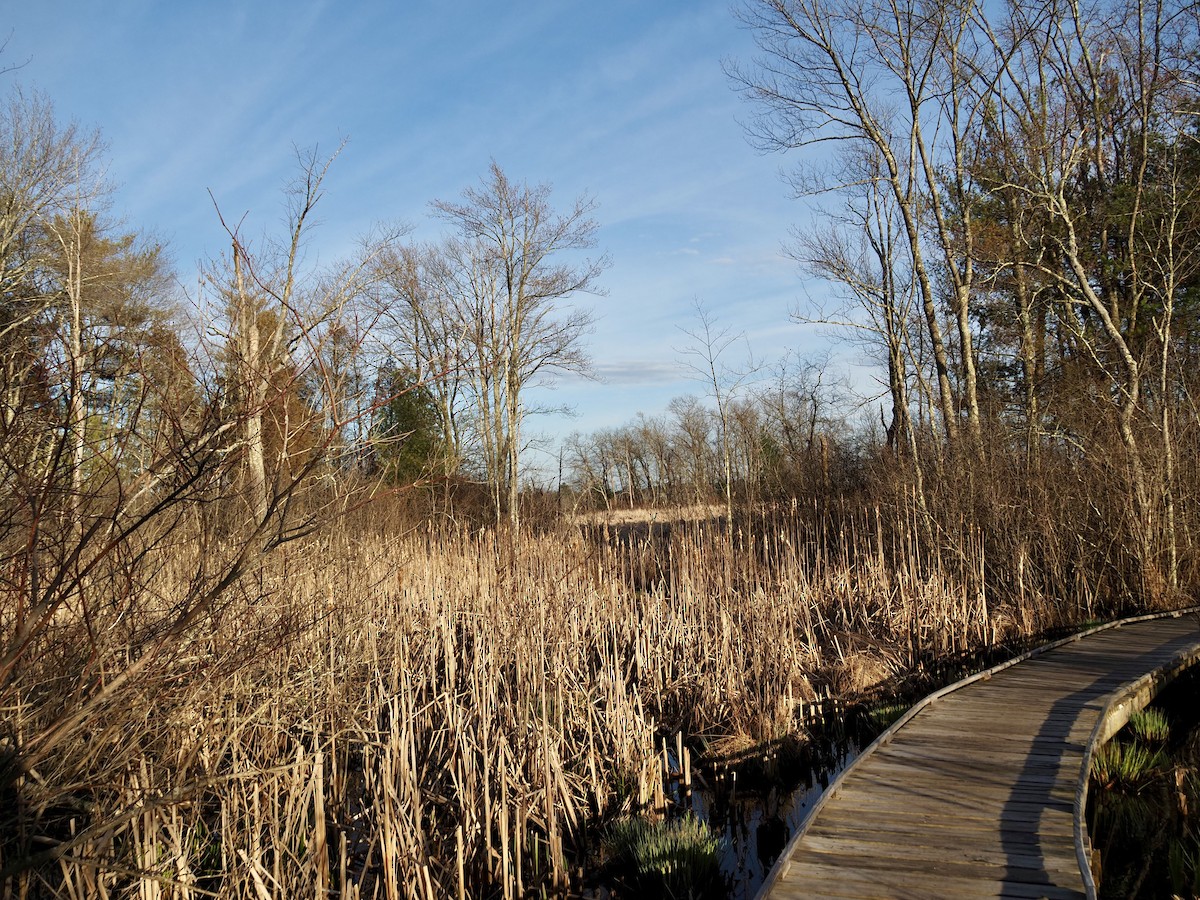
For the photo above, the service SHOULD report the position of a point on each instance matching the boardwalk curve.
(979, 790)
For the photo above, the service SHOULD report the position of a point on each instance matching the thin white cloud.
(636, 372)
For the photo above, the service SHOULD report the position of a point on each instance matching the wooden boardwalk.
(979, 790)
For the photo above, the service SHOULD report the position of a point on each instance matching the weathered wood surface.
(979, 791)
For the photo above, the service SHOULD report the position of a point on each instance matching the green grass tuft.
(1126, 767)
(675, 860)
(880, 718)
(1150, 726)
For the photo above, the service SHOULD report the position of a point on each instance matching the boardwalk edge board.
(1120, 704)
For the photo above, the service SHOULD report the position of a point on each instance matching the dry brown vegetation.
(233, 663)
(371, 713)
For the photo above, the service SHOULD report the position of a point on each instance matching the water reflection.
(757, 821)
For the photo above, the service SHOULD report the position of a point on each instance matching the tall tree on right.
(894, 89)
(1041, 165)
(1093, 129)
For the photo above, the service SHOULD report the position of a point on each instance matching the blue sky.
(624, 100)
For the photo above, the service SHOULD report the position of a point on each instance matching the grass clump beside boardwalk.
(1126, 767)
(878, 719)
(1150, 726)
(675, 859)
(1145, 800)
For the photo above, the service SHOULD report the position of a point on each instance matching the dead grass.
(425, 716)
(700, 512)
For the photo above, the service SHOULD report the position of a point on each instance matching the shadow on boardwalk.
(976, 792)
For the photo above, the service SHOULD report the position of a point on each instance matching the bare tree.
(1092, 131)
(420, 325)
(693, 425)
(895, 84)
(703, 357)
(511, 288)
(1032, 158)
(41, 166)
(861, 250)
(282, 321)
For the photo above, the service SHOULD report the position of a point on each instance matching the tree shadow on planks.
(1038, 859)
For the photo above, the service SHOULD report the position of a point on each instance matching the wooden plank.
(958, 793)
(903, 868)
(1034, 747)
(866, 859)
(938, 832)
(993, 760)
(965, 852)
(975, 795)
(998, 778)
(805, 883)
(873, 805)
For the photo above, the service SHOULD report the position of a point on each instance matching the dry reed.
(435, 715)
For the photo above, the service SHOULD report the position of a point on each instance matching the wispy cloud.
(636, 372)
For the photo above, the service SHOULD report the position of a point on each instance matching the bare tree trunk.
(513, 461)
(77, 414)
(1032, 342)
(251, 377)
